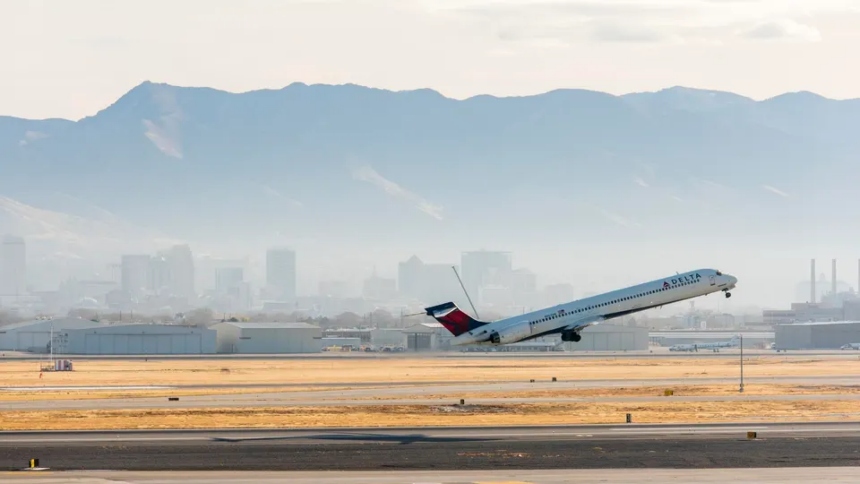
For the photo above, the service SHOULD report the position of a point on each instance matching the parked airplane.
(570, 318)
(735, 341)
(684, 347)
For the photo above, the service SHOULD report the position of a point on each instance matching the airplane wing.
(583, 323)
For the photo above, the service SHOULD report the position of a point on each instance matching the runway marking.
(685, 429)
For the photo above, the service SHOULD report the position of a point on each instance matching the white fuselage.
(577, 315)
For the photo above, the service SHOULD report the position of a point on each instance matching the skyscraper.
(181, 264)
(483, 268)
(13, 266)
(281, 273)
(136, 274)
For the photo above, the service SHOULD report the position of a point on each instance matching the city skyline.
(172, 278)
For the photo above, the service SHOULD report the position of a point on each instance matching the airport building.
(610, 337)
(137, 339)
(268, 338)
(817, 335)
(388, 337)
(427, 337)
(34, 336)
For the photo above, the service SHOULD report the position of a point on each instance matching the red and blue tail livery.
(453, 319)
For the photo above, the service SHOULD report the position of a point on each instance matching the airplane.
(569, 319)
(683, 347)
(707, 346)
(721, 344)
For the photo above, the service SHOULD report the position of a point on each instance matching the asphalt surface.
(574, 447)
(424, 393)
(578, 476)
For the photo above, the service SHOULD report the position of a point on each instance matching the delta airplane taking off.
(569, 319)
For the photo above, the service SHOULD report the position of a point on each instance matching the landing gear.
(571, 336)
(728, 294)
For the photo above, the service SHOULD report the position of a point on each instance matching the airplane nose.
(733, 280)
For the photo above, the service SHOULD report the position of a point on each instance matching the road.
(518, 448)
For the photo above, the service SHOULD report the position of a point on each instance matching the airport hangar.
(817, 335)
(91, 338)
(34, 335)
(136, 339)
(268, 338)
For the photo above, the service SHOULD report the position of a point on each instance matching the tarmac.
(630, 446)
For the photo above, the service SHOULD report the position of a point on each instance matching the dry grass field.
(224, 376)
(429, 415)
(349, 371)
(766, 389)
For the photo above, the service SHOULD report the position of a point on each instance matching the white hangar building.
(35, 335)
(268, 338)
(431, 336)
(138, 339)
(610, 337)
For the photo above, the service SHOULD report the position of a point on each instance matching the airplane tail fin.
(453, 318)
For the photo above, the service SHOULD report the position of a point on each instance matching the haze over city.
(368, 132)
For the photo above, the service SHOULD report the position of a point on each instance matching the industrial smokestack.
(812, 282)
(833, 281)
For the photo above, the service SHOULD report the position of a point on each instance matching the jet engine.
(510, 334)
(570, 335)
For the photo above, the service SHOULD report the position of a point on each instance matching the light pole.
(742, 364)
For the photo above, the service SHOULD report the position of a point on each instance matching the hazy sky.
(63, 58)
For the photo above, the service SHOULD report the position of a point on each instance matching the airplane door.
(713, 280)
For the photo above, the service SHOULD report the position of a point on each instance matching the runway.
(457, 449)
(578, 476)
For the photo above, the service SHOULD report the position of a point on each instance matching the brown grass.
(417, 415)
(644, 391)
(346, 371)
(9, 396)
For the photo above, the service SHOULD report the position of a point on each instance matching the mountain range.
(346, 166)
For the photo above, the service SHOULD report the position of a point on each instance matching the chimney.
(812, 282)
(833, 281)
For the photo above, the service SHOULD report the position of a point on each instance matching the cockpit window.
(719, 273)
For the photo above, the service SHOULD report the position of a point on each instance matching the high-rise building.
(228, 280)
(557, 294)
(377, 288)
(281, 273)
(485, 268)
(409, 277)
(13, 266)
(428, 283)
(136, 274)
(181, 263)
